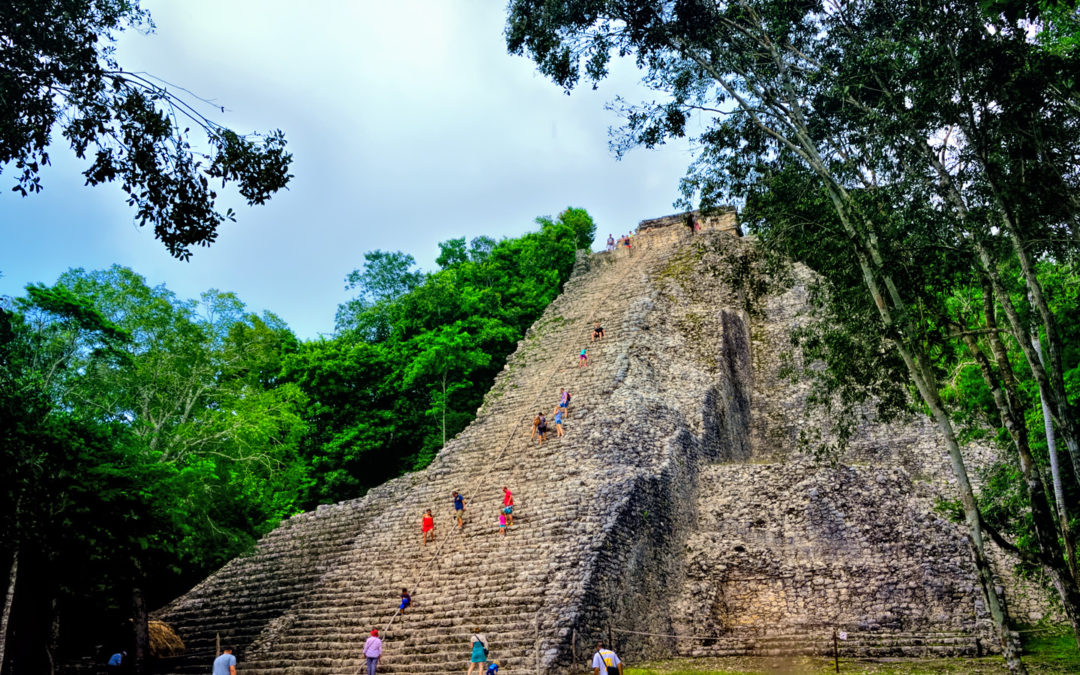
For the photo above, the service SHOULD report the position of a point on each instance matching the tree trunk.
(141, 629)
(1046, 535)
(52, 640)
(1055, 478)
(9, 597)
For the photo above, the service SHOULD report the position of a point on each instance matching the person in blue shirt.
(116, 662)
(226, 663)
(492, 668)
(459, 508)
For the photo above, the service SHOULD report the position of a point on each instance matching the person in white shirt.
(605, 661)
(373, 651)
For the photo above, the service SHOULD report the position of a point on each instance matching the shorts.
(508, 510)
(404, 604)
(563, 404)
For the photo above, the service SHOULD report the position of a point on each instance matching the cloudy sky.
(409, 125)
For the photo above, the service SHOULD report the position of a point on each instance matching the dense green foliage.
(415, 353)
(59, 74)
(152, 438)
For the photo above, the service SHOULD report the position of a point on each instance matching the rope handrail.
(479, 482)
(781, 636)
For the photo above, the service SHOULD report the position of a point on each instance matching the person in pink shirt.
(373, 651)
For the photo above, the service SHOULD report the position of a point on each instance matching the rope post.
(573, 644)
(217, 644)
(836, 649)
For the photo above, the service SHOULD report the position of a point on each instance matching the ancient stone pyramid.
(677, 515)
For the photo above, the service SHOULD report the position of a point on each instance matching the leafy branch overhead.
(59, 73)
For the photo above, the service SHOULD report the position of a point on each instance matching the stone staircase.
(675, 516)
(306, 599)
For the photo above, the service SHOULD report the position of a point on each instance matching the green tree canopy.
(60, 74)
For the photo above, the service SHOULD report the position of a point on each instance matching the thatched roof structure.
(163, 640)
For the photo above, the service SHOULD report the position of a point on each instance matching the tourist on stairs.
(427, 526)
(373, 651)
(479, 652)
(508, 505)
(459, 508)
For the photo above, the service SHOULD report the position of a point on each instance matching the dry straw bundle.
(163, 641)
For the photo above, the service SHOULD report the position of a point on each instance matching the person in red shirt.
(508, 506)
(427, 526)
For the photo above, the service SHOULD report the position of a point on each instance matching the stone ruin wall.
(694, 522)
(771, 549)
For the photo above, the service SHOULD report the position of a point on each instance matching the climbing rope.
(479, 482)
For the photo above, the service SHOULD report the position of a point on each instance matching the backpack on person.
(483, 644)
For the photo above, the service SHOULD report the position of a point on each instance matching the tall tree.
(59, 73)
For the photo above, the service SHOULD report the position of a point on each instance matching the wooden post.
(573, 644)
(217, 645)
(836, 649)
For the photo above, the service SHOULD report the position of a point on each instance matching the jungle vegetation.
(147, 439)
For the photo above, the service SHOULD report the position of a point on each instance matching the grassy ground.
(1051, 655)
